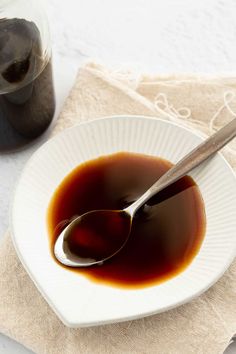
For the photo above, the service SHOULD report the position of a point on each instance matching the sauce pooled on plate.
(166, 233)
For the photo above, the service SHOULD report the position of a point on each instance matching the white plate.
(77, 300)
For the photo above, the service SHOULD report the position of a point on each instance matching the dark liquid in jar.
(166, 233)
(27, 101)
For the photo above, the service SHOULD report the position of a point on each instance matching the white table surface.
(160, 36)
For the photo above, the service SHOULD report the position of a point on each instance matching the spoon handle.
(194, 158)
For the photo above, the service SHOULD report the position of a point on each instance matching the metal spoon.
(104, 238)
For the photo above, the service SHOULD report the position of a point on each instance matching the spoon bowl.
(81, 245)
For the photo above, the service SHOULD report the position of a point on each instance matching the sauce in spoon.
(97, 235)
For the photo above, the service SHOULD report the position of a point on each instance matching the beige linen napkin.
(206, 324)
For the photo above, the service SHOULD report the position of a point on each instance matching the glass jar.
(27, 101)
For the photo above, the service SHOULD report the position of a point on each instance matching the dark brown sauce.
(166, 233)
(27, 101)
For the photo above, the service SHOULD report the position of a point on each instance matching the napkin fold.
(206, 324)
